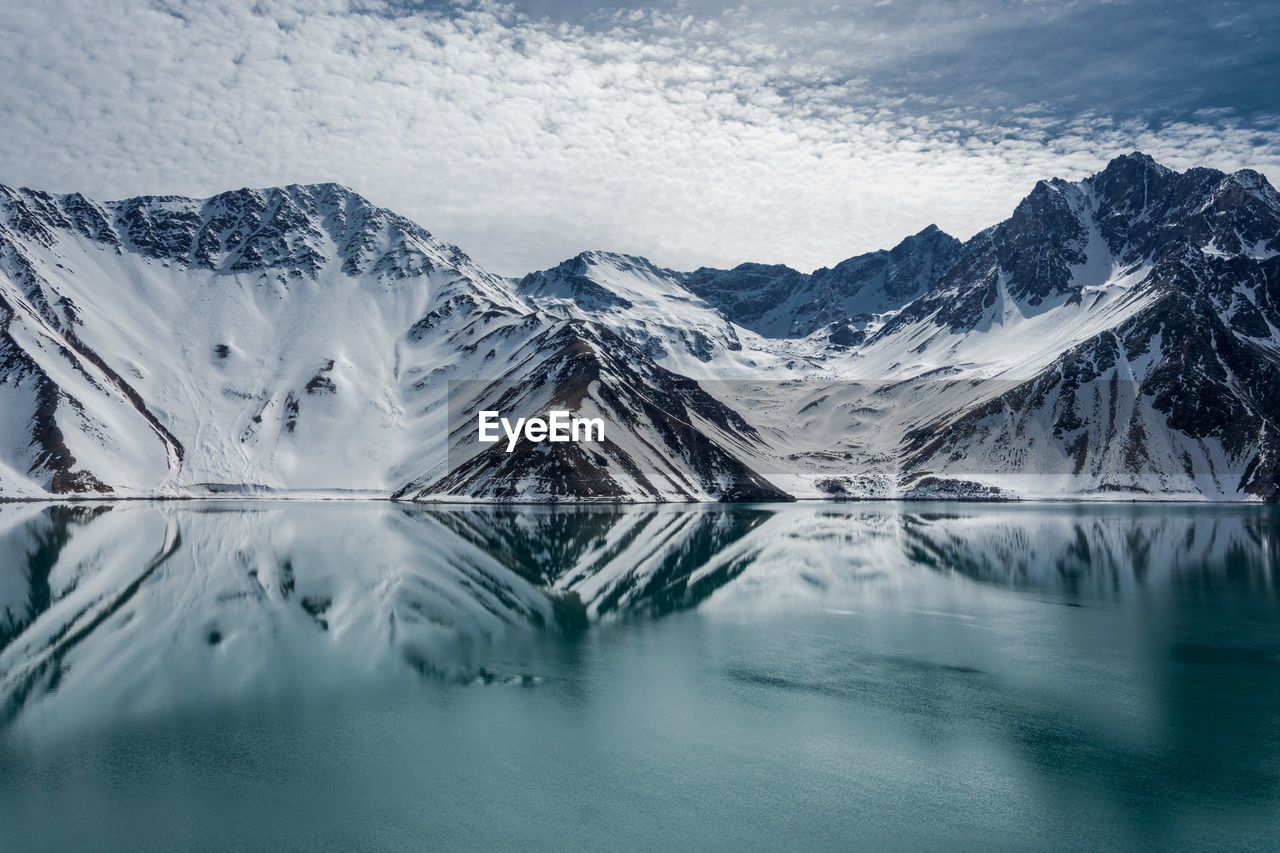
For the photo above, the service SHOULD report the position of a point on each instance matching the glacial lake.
(371, 676)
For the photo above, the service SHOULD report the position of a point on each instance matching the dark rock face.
(778, 301)
(321, 384)
(1142, 209)
(283, 230)
(748, 292)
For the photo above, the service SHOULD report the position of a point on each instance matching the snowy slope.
(258, 338)
(1098, 344)
(655, 310)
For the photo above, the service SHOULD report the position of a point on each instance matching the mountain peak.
(1137, 158)
(314, 199)
(1135, 163)
(617, 259)
(930, 235)
(581, 264)
(1252, 181)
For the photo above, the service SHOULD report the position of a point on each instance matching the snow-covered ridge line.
(1116, 337)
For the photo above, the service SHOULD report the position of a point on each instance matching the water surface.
(348, 676)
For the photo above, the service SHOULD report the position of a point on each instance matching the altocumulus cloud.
(688, 133)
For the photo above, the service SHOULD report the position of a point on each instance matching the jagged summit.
(1143, 207)
(1134, 164)
(1065, 238)
(292, 231)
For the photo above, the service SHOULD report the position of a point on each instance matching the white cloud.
(692, 140)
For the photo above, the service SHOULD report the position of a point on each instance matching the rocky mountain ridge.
(1115, 337)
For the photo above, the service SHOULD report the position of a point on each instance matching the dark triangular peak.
(1030, 255)
(1132, 170)
(667, 438)
(930, 235)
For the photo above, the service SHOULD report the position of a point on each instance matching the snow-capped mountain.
(296, 339)
(1114, 337)
(1117, 336)
(254, 338)
(1180, 393)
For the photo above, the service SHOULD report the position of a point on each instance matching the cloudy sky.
(692, 133)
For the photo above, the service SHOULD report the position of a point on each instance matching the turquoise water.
(344, 676)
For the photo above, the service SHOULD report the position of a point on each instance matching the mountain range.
(1115, 337)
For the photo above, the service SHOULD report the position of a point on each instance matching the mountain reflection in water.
(936, 628)
(106, 598)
